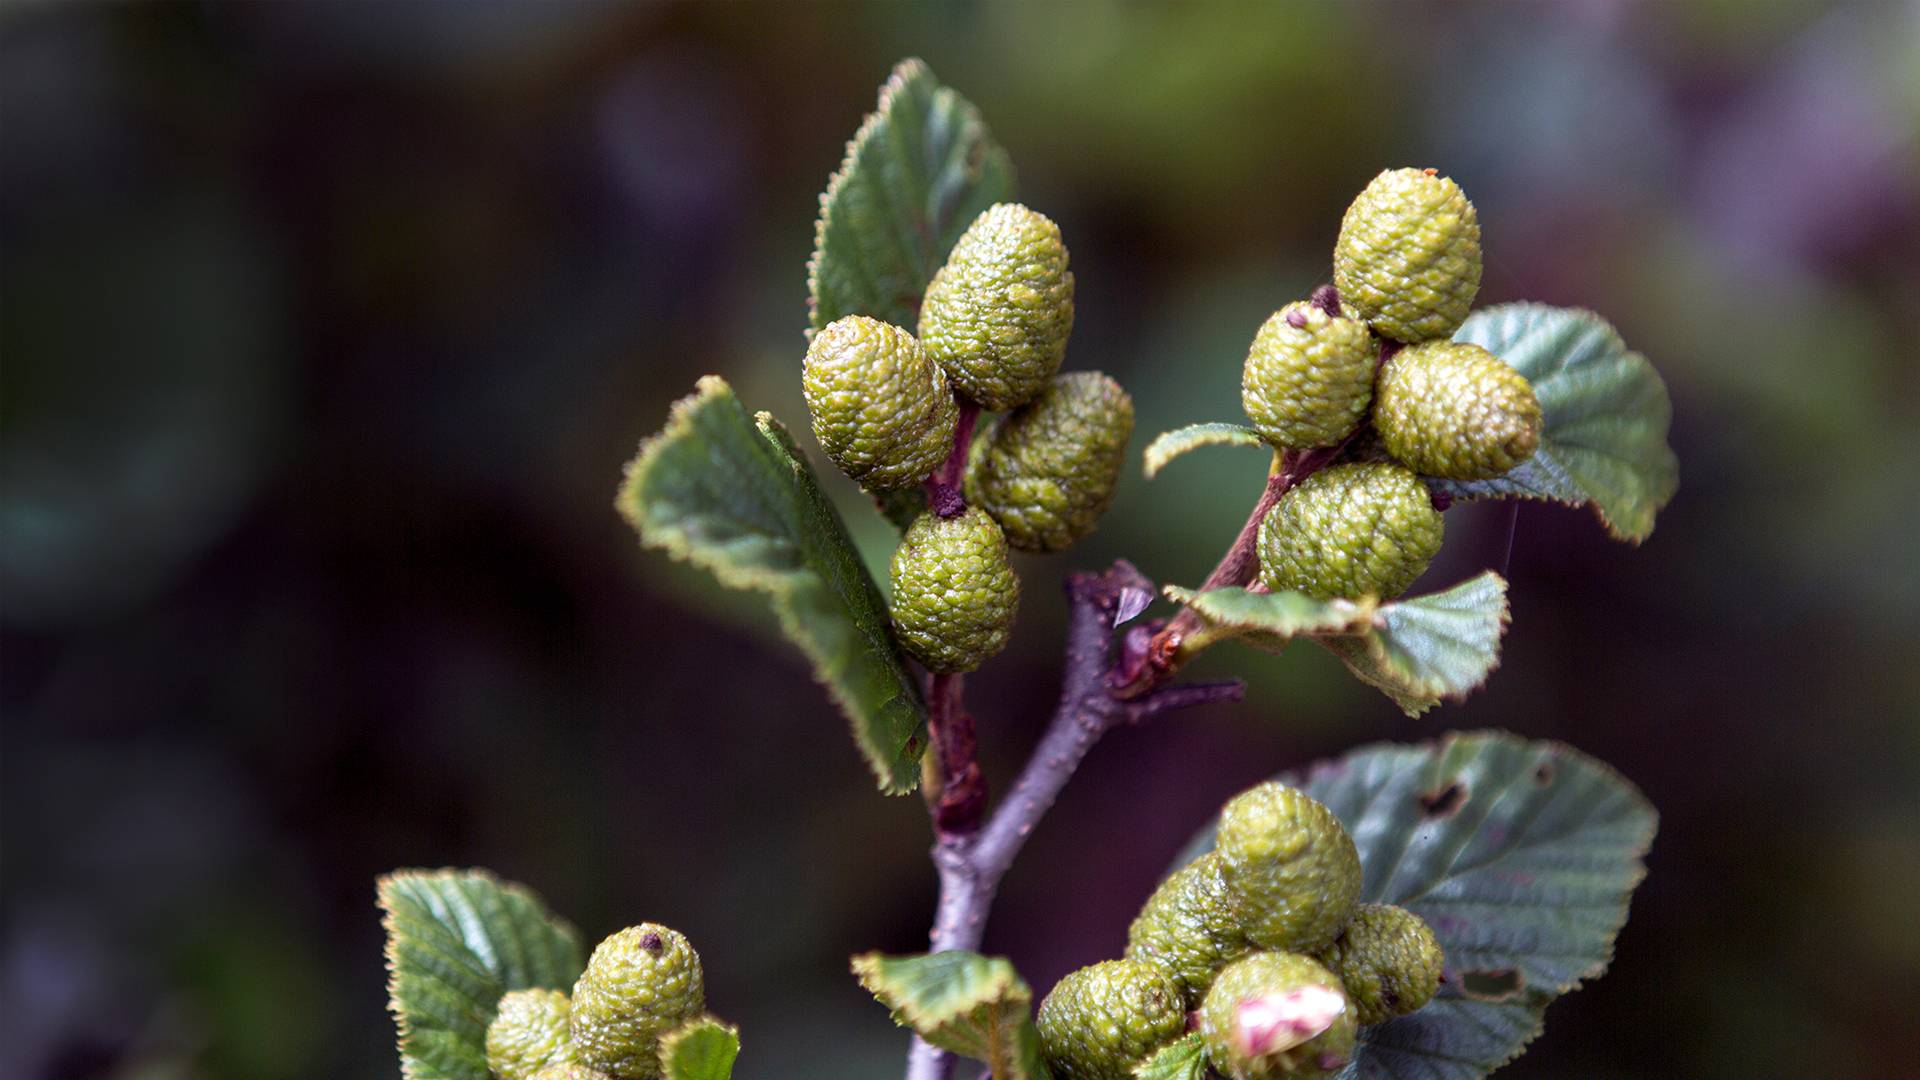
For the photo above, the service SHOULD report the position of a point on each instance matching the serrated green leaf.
(920, 169)
(972, 1005)
(456, 941)
(731, 493)
(1520, 855)
(1172, 444)
(703, 1049)
(1607, 414)
(1416, 651)
(1183, 1059)
(1442, 645)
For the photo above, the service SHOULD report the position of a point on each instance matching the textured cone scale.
(1291, 870)
(1354, 530)
(1277, 1014)
(1308, 377)
(1456, 410)
(1047, 472)
(570, 1072)
(1097, 1023)
(528, 1033)
(1408, 257)
(1188, 928)
(998, 314)
(954, 592)
(1389, 961)
(881, 409)
(639, 984)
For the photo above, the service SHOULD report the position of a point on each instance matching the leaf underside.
(920, 169)
(704, 1049)
(1607, 414)
(1182, 1059)
(731, 493)
(1172, 444)
(1417, 651)
(1520, 855)
(456, 941)
(975, 1006)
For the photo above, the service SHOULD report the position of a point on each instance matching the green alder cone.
(998, 314)
(1277, 1014)
(528, 1033)
(1291, 870)
(1188, 928)
(1097, 1023)
(954, 591)
(1308, 377)
(1047, 472)
(1408, 257)
(570, 1072)
(1388, 960)
(1354, 530)
(881, 409)
(639, 984)
(1456, 410)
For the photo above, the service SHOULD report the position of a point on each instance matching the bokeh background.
(325, 329)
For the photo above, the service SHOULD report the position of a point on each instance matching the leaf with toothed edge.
(975, 1006)
(1183, 1059)
(920, 169)
(1521, 855)
(457, 940)
(731, 493)
(1172, 444)
(1606, 411)
(702, 1049)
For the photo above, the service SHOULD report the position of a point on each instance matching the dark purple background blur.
(326, 328)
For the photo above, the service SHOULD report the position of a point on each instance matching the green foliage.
(1179, 441)
(1520, 855)
(1607, 414)
(973, 1005)
(1416, 651)
(920, 169)
(731, 493)
(703, 1049)
(457, 941)
(1183, 1059)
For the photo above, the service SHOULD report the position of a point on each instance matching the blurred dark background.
(326, 328)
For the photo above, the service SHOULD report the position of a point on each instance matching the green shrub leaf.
(1172, 444)
(1416, 651)
(1607, 414)
(973, 1005)
(1521, 856)
(1183, 1059)
(703, 1049)
(731, 493)
(920, 169)
(456, 941)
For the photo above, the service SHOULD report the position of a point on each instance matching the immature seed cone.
(1097, 1023)
(1389, 961)
(954, 592)
(1290, 868)
(881, 409)
(1047, 472)
(1354, 530)
(1456, 410)
(1188, 928)
(528, 1033)
(639, 984)
(570, 1072)
(1408, 257)
(998, 314)
(1275, 1015)
(1308, 378)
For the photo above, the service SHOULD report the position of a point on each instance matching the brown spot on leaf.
(1444, 802)
(1495, 984)
(1543, 775)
